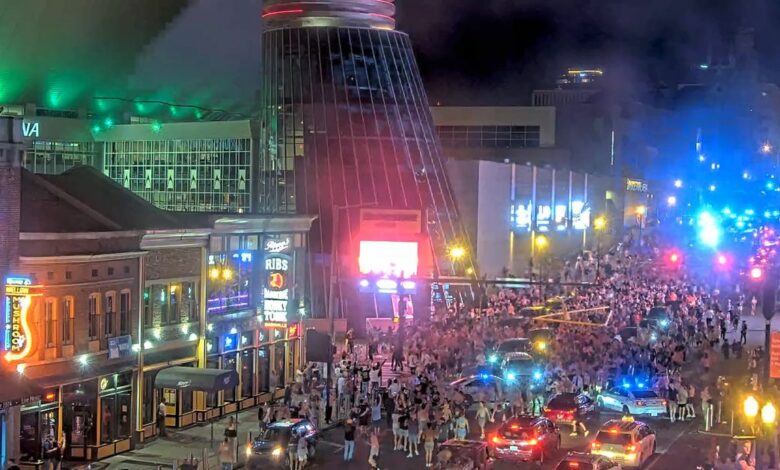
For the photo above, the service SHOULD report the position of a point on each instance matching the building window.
(127, 269)
(149, 398)
(68, 275)
(94, 320)
(110, 271)
(210, 175)
(49, 323)
(50, 276)
(109, 314)
(52, 158)
(94, 273)
(124, 313)
(66, 313)
(489, 136)
(148, 316)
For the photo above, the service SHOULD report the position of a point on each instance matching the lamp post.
(641, 215)
(541, 242)
(599, 224)
(752, 410)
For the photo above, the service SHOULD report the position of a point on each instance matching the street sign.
(774, 355)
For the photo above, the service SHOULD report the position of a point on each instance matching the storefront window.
(37, 423)
(277, 371)
(149, 398)
(79, 403)
(263, 369)
(229, 363)
(189, 302)
(247, 373)
(115, 400)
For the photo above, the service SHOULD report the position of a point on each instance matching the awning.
(194, 378)
(17, 390)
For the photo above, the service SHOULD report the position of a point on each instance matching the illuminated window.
(94, 320)
(49, 323)
(66, 313)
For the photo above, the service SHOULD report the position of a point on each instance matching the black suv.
(526, 438)
(270, 449)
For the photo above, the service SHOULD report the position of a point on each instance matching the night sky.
(495, 51)
(470, 51)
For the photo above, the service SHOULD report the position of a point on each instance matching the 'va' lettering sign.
(31, 129)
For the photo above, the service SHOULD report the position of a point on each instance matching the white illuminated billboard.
(388, 258)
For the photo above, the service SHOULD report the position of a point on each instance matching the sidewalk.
(180, 444)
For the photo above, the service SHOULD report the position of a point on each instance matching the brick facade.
(77, 282)
(173, 263)
(10, 193)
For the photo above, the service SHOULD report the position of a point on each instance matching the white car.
(632, 401)
(629, 442)
(474, 388)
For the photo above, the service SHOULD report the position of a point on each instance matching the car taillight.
(546, 409)
(498, 440)
(663, 402)
(640, 403)
(629, 448)
(530, 443)
(595, 445)
(574, 465)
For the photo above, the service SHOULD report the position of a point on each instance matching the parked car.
(269, 449)
(563, 408)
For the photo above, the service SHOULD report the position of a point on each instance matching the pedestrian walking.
(226, 455)
(414, 436)
(349, 440)
(743, 333)
(429, 441)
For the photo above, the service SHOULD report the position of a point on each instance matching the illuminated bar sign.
(278, 271)
(18, 340)
(636, 185)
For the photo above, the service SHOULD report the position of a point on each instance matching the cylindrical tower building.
(346, 124)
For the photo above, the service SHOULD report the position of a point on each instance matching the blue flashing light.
(626, 385)
(678, 184)
(770, 185)
(537, 375)
(640, 385)
(745, 175)
(726, 211)
(712, 188)
(767, 214)
(663, 323)
(702, 158)
(704, 66)
(484, 376)
(653, 337)
(709, 232)
(750, 212)
(511, 376)
(493, 358)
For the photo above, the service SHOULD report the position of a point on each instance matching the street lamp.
(457, 252)
(750, 406)
(540, 243)
(599, 224)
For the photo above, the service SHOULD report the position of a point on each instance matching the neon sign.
(18, 341)
(276, 292)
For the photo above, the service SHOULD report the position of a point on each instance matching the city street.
(679, 445)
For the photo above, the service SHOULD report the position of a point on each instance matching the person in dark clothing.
(743, 333)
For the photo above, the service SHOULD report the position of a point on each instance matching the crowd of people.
(606, 341)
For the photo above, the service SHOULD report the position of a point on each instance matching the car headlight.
(276, 452)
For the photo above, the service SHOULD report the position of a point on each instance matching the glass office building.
(346, 124)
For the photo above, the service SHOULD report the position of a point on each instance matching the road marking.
(677, 438)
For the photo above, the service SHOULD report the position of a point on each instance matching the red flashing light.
(674, 258)
(756, 273)
(722, 260)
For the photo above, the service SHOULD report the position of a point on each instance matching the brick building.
(104, 292)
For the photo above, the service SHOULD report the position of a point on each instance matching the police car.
(633, 400)
(508, 346)
(626, 441)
